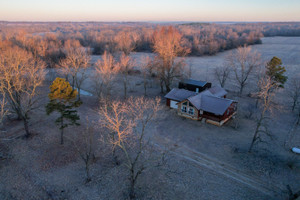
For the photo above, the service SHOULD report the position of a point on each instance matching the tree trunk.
(241, 90)
(168, 87)
(17, 107)
(115, 157)
(161, 86)
(73, 83)
(252, 143)
(145, 88)
(62, 132)
(27, 133)
(255, 135)
(87, 170)
(256, 103)
(294, 106)
(168, 82)
(19, 114)
(222, 83)
(78, 88)
(132, 186)
(125, 89)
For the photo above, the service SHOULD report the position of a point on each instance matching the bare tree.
(106, 71)
(294, 92)
(266, 94)
(126, 65)
(168, 43)
(126, 41)
(21, 75)
(74, 66)
(222, 74)
(260, 73)
(147, 72)
(115, 119)
(85, 146)
(3, 107)
(243, 61)
(127, 123)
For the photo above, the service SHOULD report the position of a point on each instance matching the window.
(185, 103)
(191, 111)
(183, 108)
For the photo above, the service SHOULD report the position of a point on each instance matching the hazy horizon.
(120, 21)
(151, 11)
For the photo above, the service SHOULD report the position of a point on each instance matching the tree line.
(48, 39)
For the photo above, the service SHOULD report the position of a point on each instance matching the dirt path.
(203, 160)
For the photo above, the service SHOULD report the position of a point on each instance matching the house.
(210, 106)
(194, 85)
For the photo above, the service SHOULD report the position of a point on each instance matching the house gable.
(186, 109)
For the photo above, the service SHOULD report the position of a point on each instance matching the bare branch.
(127, 123)
(243, 61)
(21, 75)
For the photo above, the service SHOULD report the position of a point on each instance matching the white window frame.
(191, 111)
(183, 108)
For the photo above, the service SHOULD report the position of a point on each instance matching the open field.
(204, 161)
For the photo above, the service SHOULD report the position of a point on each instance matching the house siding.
(186, 114)
(231, 110)
(168, 102)
(211, 118)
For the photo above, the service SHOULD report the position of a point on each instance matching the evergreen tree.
(63, 100)
(276, 71)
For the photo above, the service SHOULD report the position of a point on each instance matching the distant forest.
(47, 39)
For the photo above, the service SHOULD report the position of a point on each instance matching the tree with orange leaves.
(105, 74)
(63, 100)
(168, 43)
(126, 41)
(74, 66)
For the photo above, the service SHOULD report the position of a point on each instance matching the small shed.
(194, 85)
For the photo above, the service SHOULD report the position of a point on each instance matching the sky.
(150, 10)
